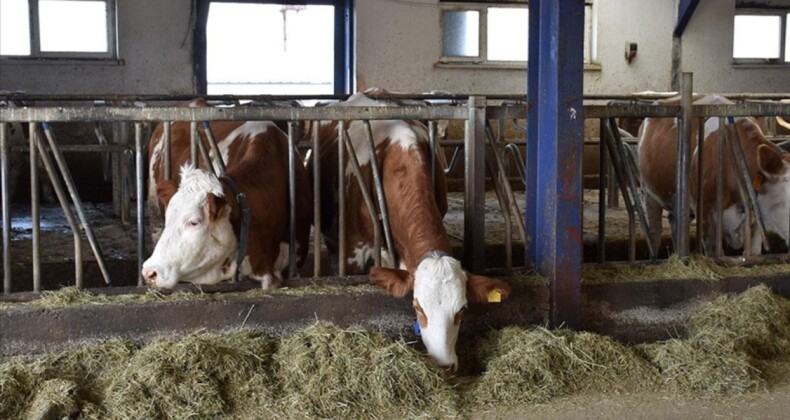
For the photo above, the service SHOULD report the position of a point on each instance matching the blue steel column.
(554, 152)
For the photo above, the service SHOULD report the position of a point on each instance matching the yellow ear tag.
(494, 296)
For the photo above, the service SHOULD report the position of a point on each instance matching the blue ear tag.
(417, 329)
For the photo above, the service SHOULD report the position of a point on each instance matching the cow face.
(774, 191)
(197, 244)
(441, 290)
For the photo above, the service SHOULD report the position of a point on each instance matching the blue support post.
(554, 152)
(685, 11)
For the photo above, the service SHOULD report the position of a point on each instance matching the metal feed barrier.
(471, 109)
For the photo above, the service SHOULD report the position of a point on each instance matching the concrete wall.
(398, 46)
(152, 59)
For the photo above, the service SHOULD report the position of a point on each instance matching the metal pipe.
(215, 148)
(700, 150)
(64, 203)
(316, 199)
(749, 186)
(4, 150)
(355, 168)
(719, 251)
(504, 205)
(516, 154)
(383, 208)
(618, 166)
(602, 170)
(166, 128)
(509, 199)
(682, 208)
(206, 158)
(506, 188)
(432, 153)
(115, 165)
(138, 148)
(35, 208)
(292, 133)
(474, 185)
(341, 198)
(105, 157)
(453, 160)
(193, 148)
(126, 205)
(732, 137)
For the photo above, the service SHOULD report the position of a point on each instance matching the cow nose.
(150, 274)
(451, 368)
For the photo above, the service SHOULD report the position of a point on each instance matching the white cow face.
(441, 289)
(774, 193)
(197, 244)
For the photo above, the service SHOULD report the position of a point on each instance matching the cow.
(203, 219)
(441, 287)
(768, 167)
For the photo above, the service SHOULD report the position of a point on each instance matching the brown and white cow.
(202, 218)
(441, 287)
(769, 170)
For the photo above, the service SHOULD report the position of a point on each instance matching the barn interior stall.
(544, 194)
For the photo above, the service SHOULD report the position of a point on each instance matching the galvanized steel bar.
(292, 133)
(194, 138)
(140, 179)
(166, 141)
(126, 203)
(64, 203)
(115, 164)
(510, 199)
(474, 185)
(732, 139)
(35, 208)
(700, 152)
(4, 169)
(682, 202)
(374, 219)
(341, 198)
(316, 198)
(75, 198)
(206, 158)
(432, 150)
(383, 208)
(746, 182)
(105, 156)
(215, 148)
(602, 171)
(719, 190)
(619, 169)
(507, 190)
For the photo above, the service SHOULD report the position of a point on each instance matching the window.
(493, 33)
(761, 36)
(57, 28)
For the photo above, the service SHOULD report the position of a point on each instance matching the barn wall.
(398, 45)
(707, 51)
(150, 33)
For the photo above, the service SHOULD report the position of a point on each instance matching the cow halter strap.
(244, 229)
(434, 254)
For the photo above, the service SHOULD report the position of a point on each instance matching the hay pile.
(325, 371)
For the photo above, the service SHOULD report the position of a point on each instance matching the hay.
(695, 267)
(55, 399)
(329, 372)
(536, 365)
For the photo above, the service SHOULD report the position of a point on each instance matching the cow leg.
(654, 219)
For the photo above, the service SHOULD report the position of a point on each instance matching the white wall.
(153, 61)
(397, 46)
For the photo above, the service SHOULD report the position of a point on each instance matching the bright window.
(493, 32)
(761, 36)
(60, 28)
(272, 49)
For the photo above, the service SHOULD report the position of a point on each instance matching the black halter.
(244, 229)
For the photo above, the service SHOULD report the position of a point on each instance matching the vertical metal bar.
(193, 147)
(354, 163)
(748, 185)
(682, 207)
(75, 198)
(719, 190)
(212, 141)
(432, 153)
(138, 151)
(115, 166)
(620, 169)
(700, 151)
(292, 133)
(123, 174)
(64, 203)
(35, 207)
(507, 190)
(341, 198)
(316, 199)
(206, 158)
(383, 208)
(510, 199)
(4, 151)
(556, 77)
(614, 195)
(166, 136)
(602, 179)
(474, 185)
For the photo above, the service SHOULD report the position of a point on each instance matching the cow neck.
(244, 226)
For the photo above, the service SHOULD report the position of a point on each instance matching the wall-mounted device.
(630, 51)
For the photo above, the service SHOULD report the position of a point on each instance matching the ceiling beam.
(685, 11)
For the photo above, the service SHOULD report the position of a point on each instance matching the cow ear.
(165, 191)
(396, 282)
(481, 289)
(216, 205)
(769, 161)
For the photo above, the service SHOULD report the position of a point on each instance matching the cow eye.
(193, 222)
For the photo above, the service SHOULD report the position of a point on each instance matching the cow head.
(441, 291)
(197, 244)
(774, 189)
